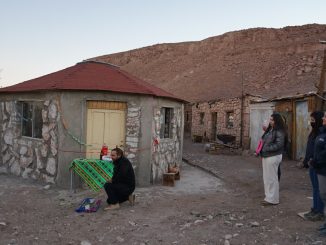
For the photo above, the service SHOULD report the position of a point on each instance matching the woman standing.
(317, 210)
(319, 164)
(274, 141)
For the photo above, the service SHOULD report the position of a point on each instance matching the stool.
(168, 179)
(177, 176)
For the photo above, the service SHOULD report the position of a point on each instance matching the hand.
(300, 165)
(311, 163)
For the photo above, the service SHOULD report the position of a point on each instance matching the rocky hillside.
(268, 62)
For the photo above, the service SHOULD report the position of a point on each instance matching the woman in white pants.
(271, 153)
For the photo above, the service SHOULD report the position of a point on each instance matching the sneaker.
(322, 227)
(316, 217)
(131, 199)
(112, 207)
(322, 233)
(309, 214)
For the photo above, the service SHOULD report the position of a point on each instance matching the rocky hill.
(266, 61)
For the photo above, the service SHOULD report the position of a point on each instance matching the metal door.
(302, 128)
(258, 114)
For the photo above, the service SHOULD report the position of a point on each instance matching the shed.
(295, 109)
(48, 121)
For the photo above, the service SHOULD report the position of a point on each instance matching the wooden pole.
(321, 86)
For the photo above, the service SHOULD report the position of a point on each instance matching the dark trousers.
(117, 193)
(317, 205)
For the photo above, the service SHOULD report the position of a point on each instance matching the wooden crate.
(168, 179)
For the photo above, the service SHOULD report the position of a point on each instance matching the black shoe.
(316, 217)
(309, 214)
(322, 227)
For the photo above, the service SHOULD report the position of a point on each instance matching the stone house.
(48, 121)
(228, 117)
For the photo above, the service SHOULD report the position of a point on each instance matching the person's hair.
(318, 116)
(279, 122)
(118, 151)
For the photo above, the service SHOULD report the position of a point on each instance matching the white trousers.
(271, 184)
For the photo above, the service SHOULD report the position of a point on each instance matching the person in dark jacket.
(271, 153)
(123, 181)
(319, 164)
(317, 211)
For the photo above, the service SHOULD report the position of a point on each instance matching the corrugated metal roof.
(91, 76)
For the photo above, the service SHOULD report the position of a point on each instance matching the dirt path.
(200, 209)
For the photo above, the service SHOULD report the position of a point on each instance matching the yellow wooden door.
(104, 126)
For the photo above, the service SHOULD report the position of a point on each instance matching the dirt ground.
(215, 202)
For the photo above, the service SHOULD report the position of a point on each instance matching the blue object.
(89, 205)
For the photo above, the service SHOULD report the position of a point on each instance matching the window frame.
(32, 118)
(228, 123)
(164, 120)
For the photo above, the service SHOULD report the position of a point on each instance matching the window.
(32, 119)
(187, 116)
(229, 119)
(201, 118)
(166, 122)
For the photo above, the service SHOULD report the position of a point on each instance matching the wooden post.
(321, 86)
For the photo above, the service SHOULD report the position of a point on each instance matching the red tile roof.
(91, 76)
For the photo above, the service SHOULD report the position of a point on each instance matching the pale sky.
(38, 37)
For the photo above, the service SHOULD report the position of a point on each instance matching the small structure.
(295, 109)
(48, 121)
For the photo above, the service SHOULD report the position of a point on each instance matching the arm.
(309, 150)
(277, 144)
(121, 172)
(321, 159)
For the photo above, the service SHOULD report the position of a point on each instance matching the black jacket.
(319, 160)
(274, 141)
(124, 173)
(309, 150)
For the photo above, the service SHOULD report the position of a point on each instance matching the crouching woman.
(271, 153)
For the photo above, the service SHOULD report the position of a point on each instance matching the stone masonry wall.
(166, 151)
(221, 108)
(133, 132)
(25, 156)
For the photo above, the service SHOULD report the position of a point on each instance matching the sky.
(38, 37)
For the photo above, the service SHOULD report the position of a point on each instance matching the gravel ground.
(216, 202)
